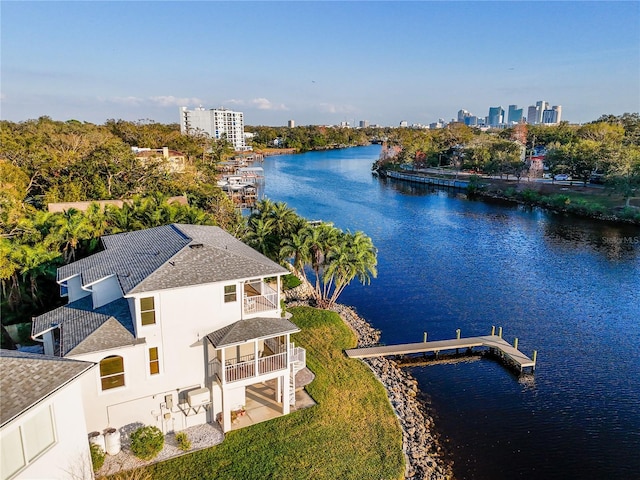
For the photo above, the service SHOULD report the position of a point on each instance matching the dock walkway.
(494, 342)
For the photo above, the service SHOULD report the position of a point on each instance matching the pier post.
(535, 357)
(424, 337)
(458, 334)
(500, 332)
(515, 343)
(493, 330)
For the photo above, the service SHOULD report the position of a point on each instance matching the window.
(24, 444)
(112, 372)
(154, 361)
(147, 311)
(229, 293)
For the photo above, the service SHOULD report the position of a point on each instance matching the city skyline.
(317, 62)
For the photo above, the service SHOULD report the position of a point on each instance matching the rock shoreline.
(423, 452)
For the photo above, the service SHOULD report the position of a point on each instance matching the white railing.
(268, 300)
(247, 369)
(272, 363)
(298, 354)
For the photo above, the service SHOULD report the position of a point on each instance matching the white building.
(43, 433)
(552, 116)
(216, 122)
(182, 320)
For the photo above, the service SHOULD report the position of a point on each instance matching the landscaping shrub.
(184, 443)
(290, 281)
(97, 456)
(147, 442)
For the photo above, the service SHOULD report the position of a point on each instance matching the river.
(564, 286)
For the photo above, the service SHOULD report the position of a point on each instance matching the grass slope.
(351, 434)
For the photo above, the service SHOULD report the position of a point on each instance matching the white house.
(181, 320)
(43, 434)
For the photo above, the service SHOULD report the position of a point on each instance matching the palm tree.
(260, 236)
(69, 229)
(36, 261)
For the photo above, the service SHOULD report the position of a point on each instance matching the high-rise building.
(462, 114)
(364, 124)
(552, 116)
(291, 123)
(496, 116)
(541, 106)
(217, 123)
(514, 115)
(532, 115)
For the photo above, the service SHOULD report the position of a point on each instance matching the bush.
(290, 281)
(97, 456)
(184, 443)
(147, 442)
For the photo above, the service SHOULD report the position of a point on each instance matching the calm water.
(569, 288)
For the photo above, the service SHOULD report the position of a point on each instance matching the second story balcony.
(259, 297)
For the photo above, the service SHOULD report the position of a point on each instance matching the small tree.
(147, 442)
(97, 456)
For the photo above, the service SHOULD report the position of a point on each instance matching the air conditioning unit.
(198, 397)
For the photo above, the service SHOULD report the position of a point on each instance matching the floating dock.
(439, 182)
(494, 343)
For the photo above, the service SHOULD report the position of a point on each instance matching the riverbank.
(595, 203)
(424, 455)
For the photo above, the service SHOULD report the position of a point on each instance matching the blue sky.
(317, 62)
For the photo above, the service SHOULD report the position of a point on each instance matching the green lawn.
(351, 434)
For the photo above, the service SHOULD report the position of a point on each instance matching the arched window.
(112, 372)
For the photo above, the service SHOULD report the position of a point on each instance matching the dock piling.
(500, 332)
(424, 337)
(515, 343)
(458, 334)
(493, 329)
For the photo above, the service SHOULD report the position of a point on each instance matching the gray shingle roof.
(83, 329)
(27, 378)
(249, 329)
(171, 256)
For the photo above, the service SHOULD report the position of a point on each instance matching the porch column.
(278, 389)
(256, 359)
(226, 412)
(223, 370)
(285, 394)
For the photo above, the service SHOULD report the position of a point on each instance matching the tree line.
(44, 161)
(609, 147)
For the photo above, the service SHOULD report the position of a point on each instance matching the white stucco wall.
(74, 289)
(69, 457)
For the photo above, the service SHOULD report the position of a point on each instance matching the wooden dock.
(493, 342)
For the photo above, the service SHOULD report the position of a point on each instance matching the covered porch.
(249, 353)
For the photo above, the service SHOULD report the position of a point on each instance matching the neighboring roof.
(83, 206)
(171, 256)
(85, 330)
(27, 378)
(250, 329)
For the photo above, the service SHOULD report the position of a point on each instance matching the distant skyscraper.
(541, 105)
(364, 123)
(552, 116)
(462, 114)
(217, 123)
(404, 123)
(496, 116)
(514, 115)
(291, 123)
(532, 115)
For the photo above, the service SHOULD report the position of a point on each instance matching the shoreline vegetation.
(574, 199)
(422, 448)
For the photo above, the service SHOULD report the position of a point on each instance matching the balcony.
(247, 367)
(259, 297)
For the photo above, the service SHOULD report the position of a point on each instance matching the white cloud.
(331, 108)
(171, 101)
(264, 104)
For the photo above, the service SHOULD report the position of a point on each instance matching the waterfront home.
(43, 433)
(171, 161)
(182, 320)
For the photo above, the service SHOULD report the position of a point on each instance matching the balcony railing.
(256, 303)
(248, 368)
